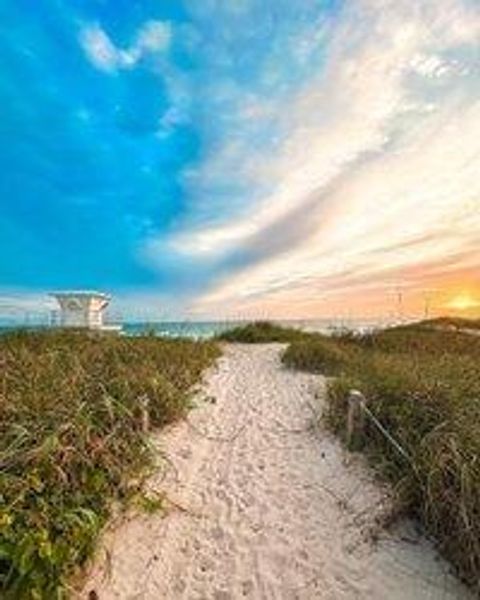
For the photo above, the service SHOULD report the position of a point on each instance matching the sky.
(216, 158)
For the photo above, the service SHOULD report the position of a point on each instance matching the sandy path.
(266, 506)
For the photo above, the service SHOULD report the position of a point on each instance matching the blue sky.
(193, 155)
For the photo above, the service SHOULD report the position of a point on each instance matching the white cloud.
(376, 170)
(23, 306)
(100, 50)
(332, 123)
(435, 67)
(406, 211)
(153, 37)
(172, 117)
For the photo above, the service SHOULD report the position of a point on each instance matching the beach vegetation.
(260, 332)
(422, 384)
(73, 443)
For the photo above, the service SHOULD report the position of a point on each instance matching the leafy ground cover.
(72, 442)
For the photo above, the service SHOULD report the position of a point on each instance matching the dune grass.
(424, 386)
(71, 442)
(422, 382)
(259, 332)
(452, 323)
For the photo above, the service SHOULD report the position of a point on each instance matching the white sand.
(264, 505)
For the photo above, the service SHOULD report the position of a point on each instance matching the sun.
(463, 301)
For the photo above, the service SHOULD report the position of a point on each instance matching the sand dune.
(264, 504)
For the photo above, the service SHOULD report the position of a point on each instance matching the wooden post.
(144, 402)
(355, 417)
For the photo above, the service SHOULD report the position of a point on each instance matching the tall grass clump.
(318, 354)
(261, 332)
(71, 442)
(423, 385)
(452, 323)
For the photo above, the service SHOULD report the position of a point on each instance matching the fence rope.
(360, 400)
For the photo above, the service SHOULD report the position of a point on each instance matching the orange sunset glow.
(463, 302)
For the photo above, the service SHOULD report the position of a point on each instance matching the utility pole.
(400, 303)
(427, 302)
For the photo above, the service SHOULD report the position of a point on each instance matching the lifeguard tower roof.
(81, 308)
(82, 293)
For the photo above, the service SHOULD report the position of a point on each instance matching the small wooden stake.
(144, 402)
(355, 416)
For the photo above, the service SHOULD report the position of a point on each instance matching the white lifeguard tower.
(82, 309)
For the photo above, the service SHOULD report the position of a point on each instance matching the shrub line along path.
(263, 503)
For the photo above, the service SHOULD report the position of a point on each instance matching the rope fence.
(357, 412)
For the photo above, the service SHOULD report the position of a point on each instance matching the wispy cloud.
(22, 304)
(153, 37)
(380, 148)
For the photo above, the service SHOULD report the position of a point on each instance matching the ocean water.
(208, 329)
(175, 329)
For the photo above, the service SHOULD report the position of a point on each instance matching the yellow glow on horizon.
(463, 301)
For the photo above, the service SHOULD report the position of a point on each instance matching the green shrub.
(71, 442)
(317, 354)
(261, 332)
